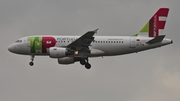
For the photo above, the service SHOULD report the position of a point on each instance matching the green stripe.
(145, 28)
(35, 44)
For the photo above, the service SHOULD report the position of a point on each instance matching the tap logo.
(157, 22)
(41, 44)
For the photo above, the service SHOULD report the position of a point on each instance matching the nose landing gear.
(32, 59)
(31, 63)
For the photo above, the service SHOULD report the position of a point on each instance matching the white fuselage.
(70, 49)
(101, 46)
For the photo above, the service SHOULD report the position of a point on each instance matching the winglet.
(96, 30)
(156, 39)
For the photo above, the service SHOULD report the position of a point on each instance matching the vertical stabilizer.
(155, 26)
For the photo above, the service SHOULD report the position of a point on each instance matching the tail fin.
(156, 24)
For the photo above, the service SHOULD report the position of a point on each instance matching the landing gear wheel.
(32, 59)
(31, 63)
(88, 66)
(82, 62)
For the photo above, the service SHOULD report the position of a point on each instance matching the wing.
(83, 42)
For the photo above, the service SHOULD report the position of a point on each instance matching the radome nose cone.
(10, 48)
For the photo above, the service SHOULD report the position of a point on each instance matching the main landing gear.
(83, 61)
(32, 59)
(86, 63)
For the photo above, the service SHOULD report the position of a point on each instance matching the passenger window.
(19, 41)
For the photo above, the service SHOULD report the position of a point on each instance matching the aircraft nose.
(11, 48)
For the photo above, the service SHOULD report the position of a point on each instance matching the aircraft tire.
(31, 63)
(82, 62)
(88, 66)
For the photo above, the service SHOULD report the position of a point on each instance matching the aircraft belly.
(111, 49)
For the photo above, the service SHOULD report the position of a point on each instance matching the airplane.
(71, 49)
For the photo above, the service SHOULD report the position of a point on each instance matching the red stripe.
(161, 24)
(151, 26)
(163, 12)
(47, 42)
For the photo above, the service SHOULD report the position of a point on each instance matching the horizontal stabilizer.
(156, 39)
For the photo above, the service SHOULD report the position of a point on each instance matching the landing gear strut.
(32, 59)
(86, 63)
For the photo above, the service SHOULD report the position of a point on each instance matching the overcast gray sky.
(152, 75)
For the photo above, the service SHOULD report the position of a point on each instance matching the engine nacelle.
(57, 52)
(66, 60)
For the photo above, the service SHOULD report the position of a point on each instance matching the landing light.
(76, 52)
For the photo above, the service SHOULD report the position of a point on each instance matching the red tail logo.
(157, 22)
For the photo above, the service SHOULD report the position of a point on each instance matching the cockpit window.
(19, 41)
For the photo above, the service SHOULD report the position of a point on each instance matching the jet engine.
(66, 60)
(57, 52)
